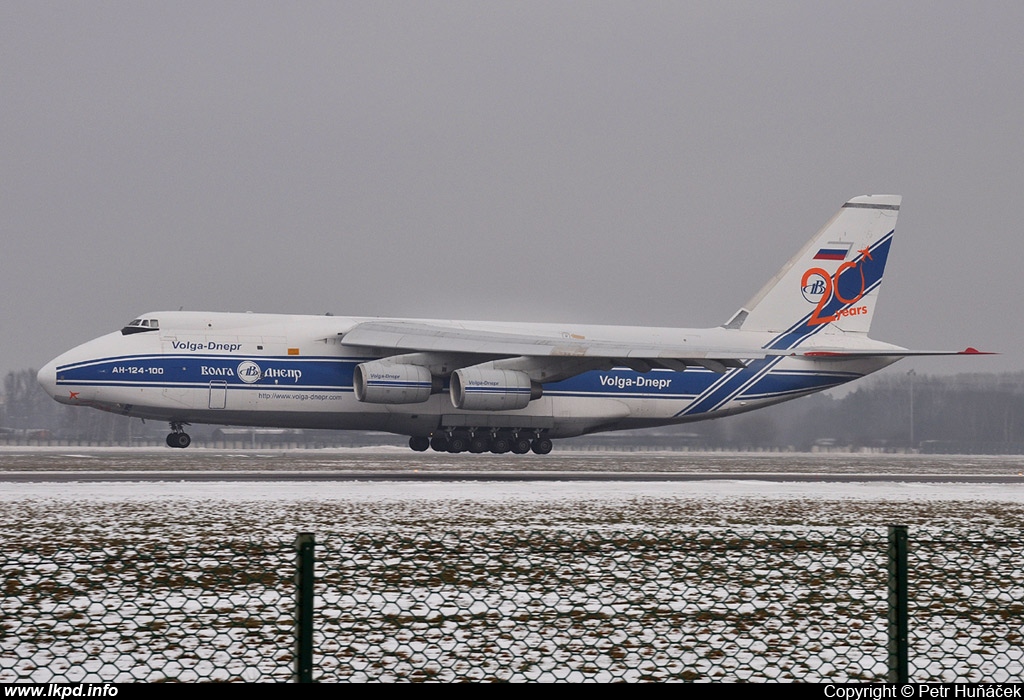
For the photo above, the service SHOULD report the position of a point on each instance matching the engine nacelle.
(475, 389)
(381, 382)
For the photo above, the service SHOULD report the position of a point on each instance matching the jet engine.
(476, 389)
(382, 382)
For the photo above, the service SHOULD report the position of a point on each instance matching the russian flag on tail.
(835, 250)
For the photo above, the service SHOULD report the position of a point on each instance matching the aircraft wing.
(411, 336)
(550, 357)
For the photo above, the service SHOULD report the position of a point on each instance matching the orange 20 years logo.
(825, 286)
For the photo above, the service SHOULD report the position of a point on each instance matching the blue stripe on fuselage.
(693, 383)
(335, 374)
(183, 371)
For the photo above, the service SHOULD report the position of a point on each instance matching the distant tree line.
(968, 413)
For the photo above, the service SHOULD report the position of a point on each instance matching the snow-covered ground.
(81, 516)
(281, 508)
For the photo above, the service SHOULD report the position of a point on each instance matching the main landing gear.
(498, 442)
(178, 437)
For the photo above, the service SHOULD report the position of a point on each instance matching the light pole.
(911, 374)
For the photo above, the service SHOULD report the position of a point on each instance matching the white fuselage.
(297, 372)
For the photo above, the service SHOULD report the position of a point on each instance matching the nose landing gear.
(178, 437)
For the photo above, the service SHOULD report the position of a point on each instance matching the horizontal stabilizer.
(896, 352)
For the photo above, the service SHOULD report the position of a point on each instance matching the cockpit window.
(140, 325)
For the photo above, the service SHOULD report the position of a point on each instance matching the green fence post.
(304, 607)
(899, 632)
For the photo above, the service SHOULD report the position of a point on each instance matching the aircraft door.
(218, 394)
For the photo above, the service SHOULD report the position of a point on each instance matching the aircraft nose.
(47, 378)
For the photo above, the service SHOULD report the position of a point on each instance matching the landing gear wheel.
(419, 443)
(457, 443)
(542, 446)
(439, 443)
(520, 445)
(500, 445)
(479, 444)
(181, 440)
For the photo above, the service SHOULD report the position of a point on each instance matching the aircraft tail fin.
(831, 285)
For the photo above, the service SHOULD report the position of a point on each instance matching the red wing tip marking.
(831, 353)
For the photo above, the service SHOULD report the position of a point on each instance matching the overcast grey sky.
(629, 163)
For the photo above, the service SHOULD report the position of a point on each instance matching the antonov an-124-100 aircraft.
(479, 386)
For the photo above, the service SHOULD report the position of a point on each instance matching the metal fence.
(817, 605)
